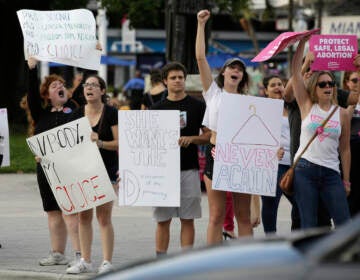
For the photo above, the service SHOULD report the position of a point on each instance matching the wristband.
(347, 184)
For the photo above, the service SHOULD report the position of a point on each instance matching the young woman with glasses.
(104, 122)
(317, 173)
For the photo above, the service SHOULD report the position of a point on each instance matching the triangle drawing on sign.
(254, 123)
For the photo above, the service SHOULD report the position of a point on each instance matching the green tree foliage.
(140, 12)
(67, 5)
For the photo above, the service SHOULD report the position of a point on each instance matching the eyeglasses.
(90, 85)
(354, 80)
(323, 84)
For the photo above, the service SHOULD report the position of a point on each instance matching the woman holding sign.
(317, 173)
(49, 107)
(232, 78)
(104, 122)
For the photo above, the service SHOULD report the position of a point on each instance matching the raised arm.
(203, 65)
(33, 97)
(344, 145)
(299, 90)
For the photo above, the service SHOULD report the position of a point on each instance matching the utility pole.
(290, 49)
(102, 34)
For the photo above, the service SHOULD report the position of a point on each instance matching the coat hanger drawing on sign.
(254, 124)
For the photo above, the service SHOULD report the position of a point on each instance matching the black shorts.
(209, 162)
(47, 196)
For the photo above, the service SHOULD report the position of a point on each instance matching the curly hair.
(44, 87)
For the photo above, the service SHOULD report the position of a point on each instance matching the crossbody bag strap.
(314, 136)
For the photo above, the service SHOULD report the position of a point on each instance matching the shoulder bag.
(286, 182)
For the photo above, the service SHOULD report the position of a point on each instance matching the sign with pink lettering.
(73, 166)
(280, 43)
(67, 37)
(247, 141)
(4, 139)
(333, 52)
(149, 157)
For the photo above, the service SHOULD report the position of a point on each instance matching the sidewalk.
(24, 234)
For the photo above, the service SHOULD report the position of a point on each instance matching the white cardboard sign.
(248, 137)
(149, 157)
(73, 166)
(4, 139)
(67, 37)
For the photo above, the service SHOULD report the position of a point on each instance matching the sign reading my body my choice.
(73, 166)
(333, 52)
(67, 37)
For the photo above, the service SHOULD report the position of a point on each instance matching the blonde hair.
(312, 84)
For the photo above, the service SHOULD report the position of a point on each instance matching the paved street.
(24, 235)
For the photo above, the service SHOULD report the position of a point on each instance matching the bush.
(21, 158)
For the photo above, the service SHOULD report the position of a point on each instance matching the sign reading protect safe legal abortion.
(333, 52)
(149, 157)
(67, 37)
(247, 141)
(73, 166)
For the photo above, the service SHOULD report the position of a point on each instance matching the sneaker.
(81, 267)
(54, 258)
(105, 267)
(77, 258)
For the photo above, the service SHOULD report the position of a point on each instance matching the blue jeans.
(270, 204)
(312, 182)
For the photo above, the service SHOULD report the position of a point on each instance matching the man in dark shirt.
(191, 116)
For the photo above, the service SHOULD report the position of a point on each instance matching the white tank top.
(285, 141)
(324, 149)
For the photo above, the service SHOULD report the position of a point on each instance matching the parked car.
(311, 254)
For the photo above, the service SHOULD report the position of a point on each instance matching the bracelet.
(347, 184)
(100, 143)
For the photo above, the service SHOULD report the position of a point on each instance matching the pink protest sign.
(333, 52)
(281, 42)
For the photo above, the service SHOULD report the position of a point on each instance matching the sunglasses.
(323, 84)
(354, 80)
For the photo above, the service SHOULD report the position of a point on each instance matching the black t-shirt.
(103, 128)
(43, 118)
(149, 99)
(191, 115)
(295, 120)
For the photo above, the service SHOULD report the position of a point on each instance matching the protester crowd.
(326, 184)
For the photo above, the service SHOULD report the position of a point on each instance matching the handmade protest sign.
(67, 37)
(149, 157)
(73, 166)
(247, 141)
(333, 52)
(4, 139)
(280, 43)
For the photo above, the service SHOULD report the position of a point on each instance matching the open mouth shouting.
(61, 93)
(234, 78)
